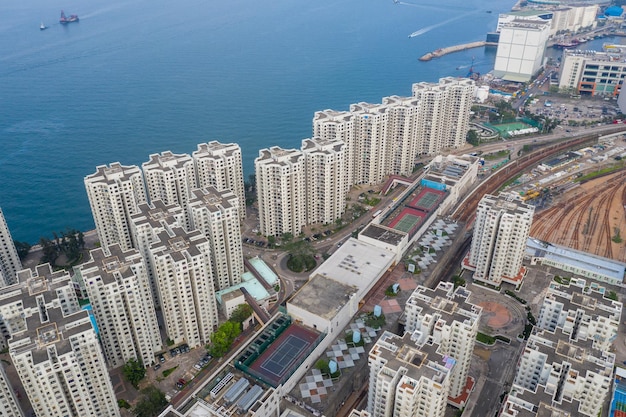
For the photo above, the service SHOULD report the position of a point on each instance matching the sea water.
(136, 77)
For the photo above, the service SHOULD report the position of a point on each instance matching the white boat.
(43, 26)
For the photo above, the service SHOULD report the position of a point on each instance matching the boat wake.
(435, 26)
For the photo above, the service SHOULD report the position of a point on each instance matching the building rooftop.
(420, 360)
(323, 296)
(264, 270)
(582, 260)
(250, 283)
(356, 263)
(383, 234)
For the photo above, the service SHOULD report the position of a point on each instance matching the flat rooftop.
(323, 296)
(582, 260)
(250, 283)
(356, 263)
(383, 234)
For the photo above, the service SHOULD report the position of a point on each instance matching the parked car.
(157, 366)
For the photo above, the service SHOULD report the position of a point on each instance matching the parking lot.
(175, 368)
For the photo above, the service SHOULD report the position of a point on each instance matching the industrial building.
(576, 262)
(592, 73)
(521, 49)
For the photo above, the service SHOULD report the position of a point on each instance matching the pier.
(456, 48)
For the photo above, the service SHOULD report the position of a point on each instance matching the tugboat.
(42, 26)
(65, 20)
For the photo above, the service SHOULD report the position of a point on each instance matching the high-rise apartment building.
(220, 165)
(370, 143)
(409, 377)
(118, 288)
(9, 260)
(183, 273)
(216, 215)
(281, 191)
(384, 139)
(325, 183)
(54, 347)
(333, 126)
(446, 315)
(115, 193)
(403, 121)
(499, 242)
(9, 406)
(146, 224)
(444, 112)
(170, 177)
(582, 312)
(556, 376)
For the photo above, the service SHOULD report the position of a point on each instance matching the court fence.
(259, 376)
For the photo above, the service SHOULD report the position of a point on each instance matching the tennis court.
(408, 220)
(283, 356)
(427, 199)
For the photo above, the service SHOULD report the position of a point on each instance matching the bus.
(376, 214)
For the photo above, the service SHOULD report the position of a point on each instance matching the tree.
(151, 404)
(22, 248)
(473, 138)
(223, 338)
(241, 313)
(134, 372)
(49, 250)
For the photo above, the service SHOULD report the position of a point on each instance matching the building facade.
(170, 177)
(146, 224)
(9, 406)
(582, 312)
(407, 378)
(220, 165)
(444, 113)
(216, 214)
(115, 193)
(326, 189)
(556, 376)
(118, 288)
(446, 315)
(592, 73)
(501, 229)
(281, 191)
(54, 347)
(9, 260)
(521, 49)
(183, 273)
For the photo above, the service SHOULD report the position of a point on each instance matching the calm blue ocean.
(136, 77)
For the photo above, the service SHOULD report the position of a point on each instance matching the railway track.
(585, 219)
(467, 209)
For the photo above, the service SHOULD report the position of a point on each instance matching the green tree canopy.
(223, 338)
(241, 313)
(151, 404)
(22, 248)
(134, 372)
